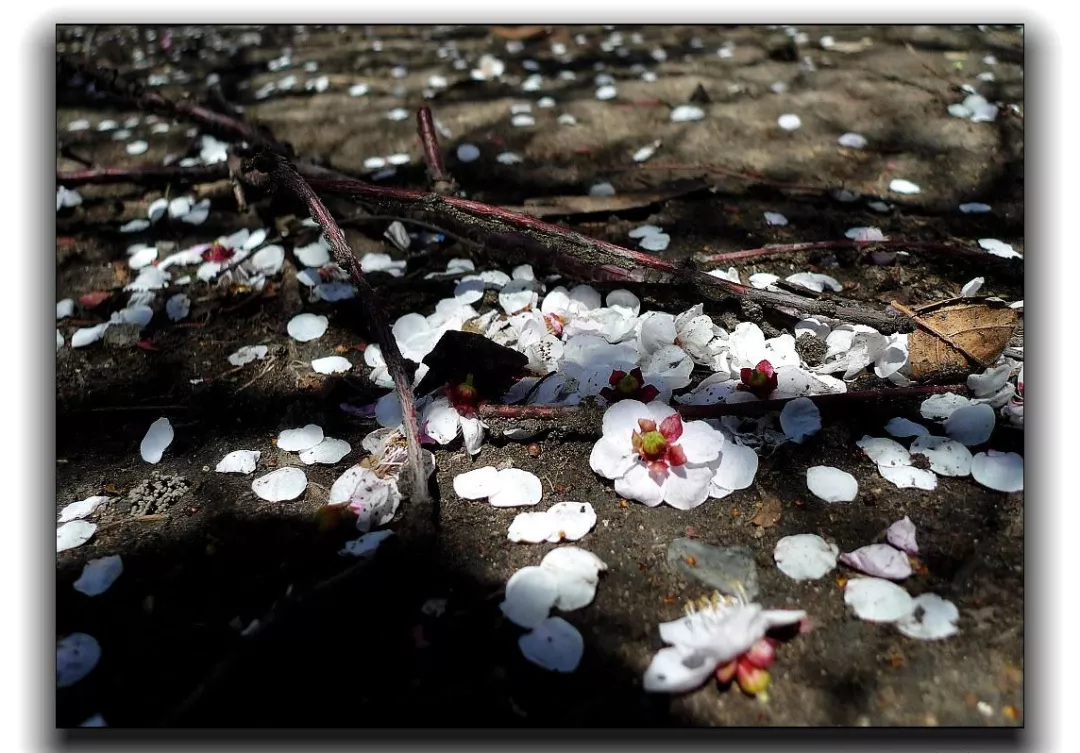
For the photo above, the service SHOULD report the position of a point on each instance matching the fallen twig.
(568, 413)
(592, 259)
(148, 175)
(781, 249)
(271, 171)
(441, 182)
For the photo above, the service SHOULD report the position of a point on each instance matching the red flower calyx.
(657, 445)
(630, 386)
(760, 380)
(463, 396)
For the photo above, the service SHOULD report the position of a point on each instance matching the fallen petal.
(901, 534)
(281, 485)
(1000, 471)
(831, 484)
(298, 440)
(158, 437)
(99, 574)
(932, 619)
(531, 593)
(517, 488)
(76, 656)
(73, 534)
(239, 461)
(879, 561)
(554, 644)
(878, 600)
(805, 556)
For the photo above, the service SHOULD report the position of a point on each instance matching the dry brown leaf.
(768, 513)
(982, 329)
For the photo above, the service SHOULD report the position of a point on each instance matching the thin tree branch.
(270, 170)
(781, 249)
(441, 182)
(149, 175)
(569, 413)
(588, 258)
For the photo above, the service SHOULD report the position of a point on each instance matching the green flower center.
(653, 445)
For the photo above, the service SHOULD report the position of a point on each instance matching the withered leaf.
(459, 354)
(768, 513)
(982, 329)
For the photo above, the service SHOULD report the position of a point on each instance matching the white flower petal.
(932, 619)
(73, 534)
(1000, 471)
(87, 335)
(477, 484)
(901, 534)
(789, 122)
(907, 477)
(737, 469)
(902, 427)
(990, 381)
(441, 421)
(530, 596)
(158, 437)
(879, 561)
(676, 670)
(327, 452)
(686, 113)
(331, 365)
(638, 484)
(686, 486)
(611, 460)
(800, 418)
(700, 442)
(517, 295)
(973, 287)
(80, 509)
(298, 440)
(306, 327)
(886, 453)
(280, 485)
(831, 484)
(366, 545)
(997, 248)
(76, 656)
(472, 433)
(517, 488)
(576, 572)
(971, 425)
(805, 556)
(554, 644)
(878, 600)
(98, 574)
(947, 456)
(899, 185)
(247, 354)
(940, 407)
(239, 461)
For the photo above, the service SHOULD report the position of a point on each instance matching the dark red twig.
(781, 249)
(441, 182)
(589, 258)
(718, 410)
(269, 170)
(150, 175)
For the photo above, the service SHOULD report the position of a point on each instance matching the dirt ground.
(358, 651)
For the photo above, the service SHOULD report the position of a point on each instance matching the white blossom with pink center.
(653, 456)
